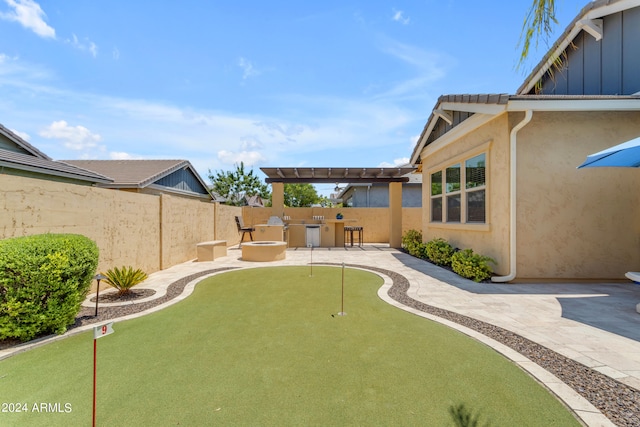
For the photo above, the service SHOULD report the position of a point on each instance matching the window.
(453, 193)
(461, 203)
(475, 188)
(436, 197)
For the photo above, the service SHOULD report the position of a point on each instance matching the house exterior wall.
(576, 223)
(141, 230)
(492, 238)
(571, 223)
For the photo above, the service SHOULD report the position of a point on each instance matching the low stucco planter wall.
(264, 251)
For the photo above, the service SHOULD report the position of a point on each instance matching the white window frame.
(463, 191)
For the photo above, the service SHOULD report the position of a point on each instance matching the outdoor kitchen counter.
(331, 231)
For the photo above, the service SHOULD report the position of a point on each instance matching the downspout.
(528, 114)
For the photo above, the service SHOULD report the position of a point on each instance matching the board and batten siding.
(610, 66)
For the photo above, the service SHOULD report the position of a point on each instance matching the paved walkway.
(594, 324)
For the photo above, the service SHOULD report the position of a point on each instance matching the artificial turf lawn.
(261, 347)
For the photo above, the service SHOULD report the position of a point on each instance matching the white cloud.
(121, 155)
(398, 16)
(249, 158)
(22, 135)
(396, 163)
(115, 53)
(86, 44)
(208, 138)
(30, 15)
(75, 138)
(250, 143)
(247, 68)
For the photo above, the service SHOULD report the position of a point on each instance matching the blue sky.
(278, 83)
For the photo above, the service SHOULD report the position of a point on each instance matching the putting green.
(264, 347)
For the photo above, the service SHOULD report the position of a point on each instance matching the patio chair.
(244, 230)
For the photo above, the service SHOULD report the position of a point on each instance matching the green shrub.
(439, 251)
(472, 266)
(412, 243)
(124, 279)
(43, 281)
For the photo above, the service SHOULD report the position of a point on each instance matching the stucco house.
(376, 195)
(176, 177)
(500, 170)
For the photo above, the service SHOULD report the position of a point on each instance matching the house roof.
(583, 21)
(489, 105)
(22, 156)
(332, 175)
(131, 173)
(29, 163)
(22, 145)
(137, 173)
(477, 109)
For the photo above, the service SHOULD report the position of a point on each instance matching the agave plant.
(125, 278)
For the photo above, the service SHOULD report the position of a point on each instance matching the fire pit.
(264, 251)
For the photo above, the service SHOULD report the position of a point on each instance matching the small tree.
(235, 185)
(300, 195)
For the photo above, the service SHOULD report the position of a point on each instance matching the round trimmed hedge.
(43, 280)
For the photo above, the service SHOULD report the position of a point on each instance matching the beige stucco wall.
(185, 223)
(571, 223)
(492, 238)
(124, 225)
(225, 224)
(374, 220)
(141, 230)
(576, 223)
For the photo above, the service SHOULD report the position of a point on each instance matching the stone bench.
(209, 251)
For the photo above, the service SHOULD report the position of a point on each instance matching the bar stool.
(348, 232)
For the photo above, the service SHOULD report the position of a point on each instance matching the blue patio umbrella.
(626, 154)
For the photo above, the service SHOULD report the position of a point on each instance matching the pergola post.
(395, 214)
(277, 198)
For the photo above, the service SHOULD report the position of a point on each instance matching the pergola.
(278, 176)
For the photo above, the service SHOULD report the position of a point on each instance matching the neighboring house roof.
(412, 178)
(19, 145)
(18, 155)
(177, 176)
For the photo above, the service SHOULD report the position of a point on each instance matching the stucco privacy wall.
(145, 231)
(374, 220)
(225, 223)
(124, 225)
(576, 223)
(184, 223)
(490, 239)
